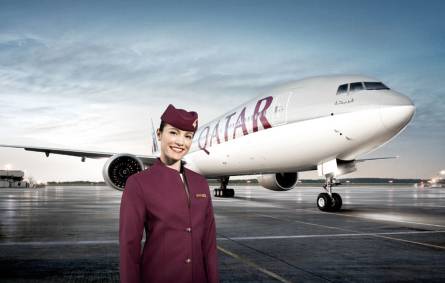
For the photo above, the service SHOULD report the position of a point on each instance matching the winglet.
(155, 146)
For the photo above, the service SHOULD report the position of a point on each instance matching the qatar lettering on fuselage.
(235, 123)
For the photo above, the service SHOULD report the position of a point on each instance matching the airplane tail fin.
(155, 146)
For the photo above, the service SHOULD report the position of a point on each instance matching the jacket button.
(188, 260)
(188, 229)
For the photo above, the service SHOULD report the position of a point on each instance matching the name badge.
(201, 195)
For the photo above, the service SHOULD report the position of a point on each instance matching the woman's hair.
(161, 127)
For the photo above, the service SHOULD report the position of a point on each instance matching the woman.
(173, 204)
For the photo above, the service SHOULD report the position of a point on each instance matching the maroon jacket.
(180, 243)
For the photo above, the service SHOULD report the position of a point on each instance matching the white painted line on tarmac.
(413, 242)
(116, 242)
(386, 218)
(254, 265)
(378, 235)
(327, 235)
(60, 243)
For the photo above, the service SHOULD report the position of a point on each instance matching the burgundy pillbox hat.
(180, 118)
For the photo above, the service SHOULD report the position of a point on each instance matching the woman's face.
(175, 143)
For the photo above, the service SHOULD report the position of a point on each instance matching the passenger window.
(342, 89)
(356, 87)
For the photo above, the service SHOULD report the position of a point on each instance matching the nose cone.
(397, 114)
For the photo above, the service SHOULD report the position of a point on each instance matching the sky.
(91, 74)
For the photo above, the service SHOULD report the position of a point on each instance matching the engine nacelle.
(278, 181)
(119, 167)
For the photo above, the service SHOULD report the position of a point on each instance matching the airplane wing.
(376, 158)
(148, 160)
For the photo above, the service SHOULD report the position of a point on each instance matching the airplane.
(319, 123)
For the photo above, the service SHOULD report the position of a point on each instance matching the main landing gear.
(223, 191)
(329, 201)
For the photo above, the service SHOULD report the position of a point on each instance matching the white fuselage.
(299, 126)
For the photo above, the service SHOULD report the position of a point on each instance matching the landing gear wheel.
(228, 193)
(336, 202)
(324, 202)
(223, 191)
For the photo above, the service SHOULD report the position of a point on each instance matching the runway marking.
(308, 210)
(378, 235)
(381, 236)
(388, 220)
(360, 217)
(101, 242)
(59, 243)
(262, 253)
(413, 242)
(254, 265)
(328, 235)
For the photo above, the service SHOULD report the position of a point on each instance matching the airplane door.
(279, 108)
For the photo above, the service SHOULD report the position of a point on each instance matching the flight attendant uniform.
(177, 215)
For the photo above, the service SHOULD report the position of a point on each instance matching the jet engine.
(278, 181)
(119, 167)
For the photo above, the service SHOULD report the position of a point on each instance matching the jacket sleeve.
(131, 225)
(209, 245)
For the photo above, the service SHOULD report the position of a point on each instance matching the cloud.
(114, 71)
(97, 83)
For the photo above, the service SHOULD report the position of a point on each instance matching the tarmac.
(382, 234)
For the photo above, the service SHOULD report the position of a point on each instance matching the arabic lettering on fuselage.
(344, 101)
(211, 133)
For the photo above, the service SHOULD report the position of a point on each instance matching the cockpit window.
(375, 86)
(356, 87)
(342, 89)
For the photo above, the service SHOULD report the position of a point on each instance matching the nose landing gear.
(223, 191)
(329, 201)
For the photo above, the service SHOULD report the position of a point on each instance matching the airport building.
(13, 179)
